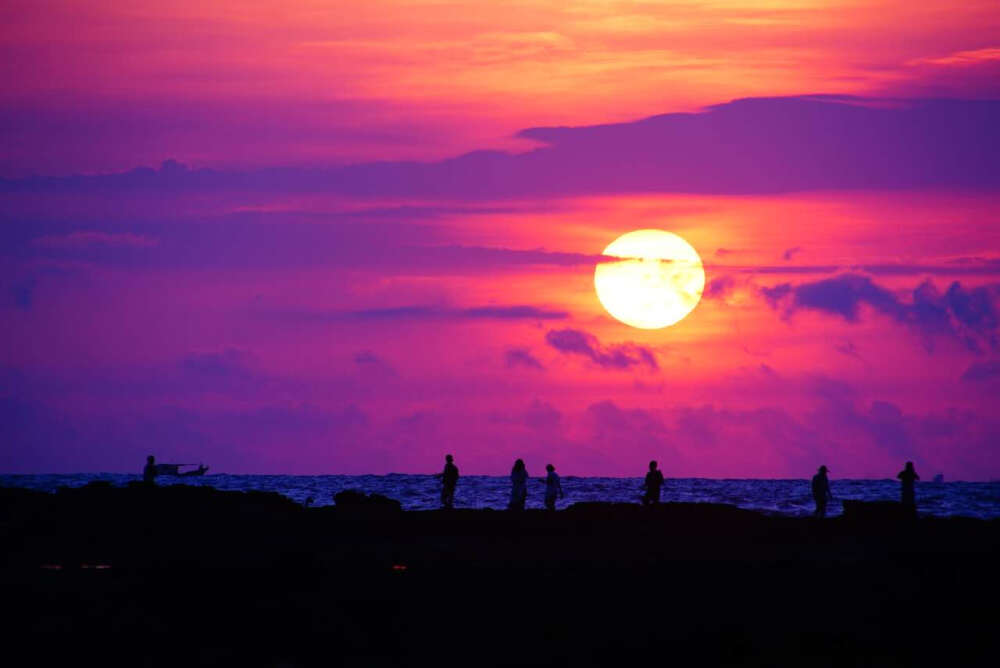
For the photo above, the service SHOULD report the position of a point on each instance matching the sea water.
(422, 492)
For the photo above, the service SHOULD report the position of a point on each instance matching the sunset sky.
(332, 237)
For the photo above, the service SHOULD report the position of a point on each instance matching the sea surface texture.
(422, 492)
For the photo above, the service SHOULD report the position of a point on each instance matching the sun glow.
(656, 283)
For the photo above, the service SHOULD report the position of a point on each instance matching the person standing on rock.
(821, 491)
(553, 487)
(449, 479)
(908, 476)
(149, 471)
(654, 481)
(518, 486)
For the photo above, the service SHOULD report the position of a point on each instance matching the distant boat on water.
(939, 477)
(175, 470)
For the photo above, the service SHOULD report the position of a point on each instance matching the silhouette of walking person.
(908, 476)
(149, 471)
(821, 491)
(449, 479)
(553, 487)
(654, 481)
(518, 486)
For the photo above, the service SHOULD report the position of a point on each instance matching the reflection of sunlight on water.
(422, 492)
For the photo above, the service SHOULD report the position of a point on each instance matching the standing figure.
(654, 480)
(149, 471)
(821, 491)
(908, 476)
(553, 487)
(449, 478)
(518, 486)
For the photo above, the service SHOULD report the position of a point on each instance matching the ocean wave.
(422, 492)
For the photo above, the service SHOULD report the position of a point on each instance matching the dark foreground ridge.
(184, 575)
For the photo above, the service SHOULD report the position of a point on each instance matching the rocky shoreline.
(164, 575)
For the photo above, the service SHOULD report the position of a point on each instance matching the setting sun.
(656, 283)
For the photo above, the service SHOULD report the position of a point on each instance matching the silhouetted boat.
(175, 469)
(939, 477)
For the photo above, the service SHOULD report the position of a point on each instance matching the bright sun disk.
(657, 282)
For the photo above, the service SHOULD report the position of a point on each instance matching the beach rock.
(877, 512)
(354, 504)
(676, 513)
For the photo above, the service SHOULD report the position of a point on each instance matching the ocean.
(422, 492)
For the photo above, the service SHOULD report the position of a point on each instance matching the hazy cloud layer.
(422, 312)
(758, 145)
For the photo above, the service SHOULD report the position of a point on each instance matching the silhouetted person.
(654, 481)
(821, 491)
(908, 476)
(518, 486)
(553, 487)
(449, 478)
(149, 471)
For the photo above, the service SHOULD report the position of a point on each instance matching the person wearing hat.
(821, 491)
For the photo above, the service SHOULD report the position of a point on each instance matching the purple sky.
(207, 255)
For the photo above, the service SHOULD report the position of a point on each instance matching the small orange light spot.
(399, 567)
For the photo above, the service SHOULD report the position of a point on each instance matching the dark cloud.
(227, 363)
(374, 366)
(759, 145)
(790, 253)
(366, 357)
(511, 313)
(86, 238)
(230, 372)
(774, 294)
(844, 295)
(791, 269)
(485, 256)
(609, 419)
(416, 313)
(516, 312)
(980, 372)
(888, 428)
(521, 357)
(618, 356)
(964, 267)
(848, 348)
(826, 421)
(403, 240)
(839, 428)
(959, 74)
(608, 426)
(719, 287)
(542, 416)
(969, 314)
(22, 293)
(27, 281)
(977, 267)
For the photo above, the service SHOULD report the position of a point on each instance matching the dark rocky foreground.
(194, 576)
